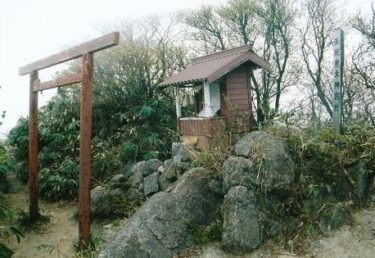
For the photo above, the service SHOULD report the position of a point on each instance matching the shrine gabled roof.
(212, 67)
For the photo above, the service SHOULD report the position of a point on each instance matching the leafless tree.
(364, 56)
(269, 25)
(316, 34)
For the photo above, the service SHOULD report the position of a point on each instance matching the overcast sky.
(33, 29)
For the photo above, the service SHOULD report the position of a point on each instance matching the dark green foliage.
(7, 228)
(133, 119)
(18, 139)
(115, 206)
(334, 173)
(62, 183)
(4, 169)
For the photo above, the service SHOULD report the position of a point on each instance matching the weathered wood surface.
(202, 127)
(84, 210)
(59, 82)
(91, 46)
(33, 149)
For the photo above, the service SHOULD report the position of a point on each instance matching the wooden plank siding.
(202, 127)
(239, 110)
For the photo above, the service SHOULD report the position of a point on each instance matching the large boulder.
(159, 228)
(270, 154)
(242, 226)
(238, 171)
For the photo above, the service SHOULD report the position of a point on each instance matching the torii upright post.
(84, 201)
(85, 75)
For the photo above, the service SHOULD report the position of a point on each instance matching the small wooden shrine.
(216, 90)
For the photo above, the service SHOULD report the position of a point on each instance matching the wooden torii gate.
(85, 76)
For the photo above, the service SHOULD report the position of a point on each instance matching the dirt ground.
(55, 238)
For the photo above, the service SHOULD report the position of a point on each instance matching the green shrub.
(61, 183)
(7, 228)
(133, 119)
(328, 173)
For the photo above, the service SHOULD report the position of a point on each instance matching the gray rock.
(100, 202)
(271, 157)
(242, 226)
(150, 166)
(117, 181)
(134, 194)
(164, 183)
(238, 171)
(151, 184)
(137, 241)
(118, 178)
(167, 163)
(136, 178)
(159, 227)
(117, 192)
(216, 186)
(182, 152)
(141, 187)
(97, 194)
(170, 174)
(161, 169)
(183, 166)
(134, 168)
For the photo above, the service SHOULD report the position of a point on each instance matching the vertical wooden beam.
(84, 205)
(33, 148)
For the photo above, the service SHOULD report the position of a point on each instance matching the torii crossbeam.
(85, 75)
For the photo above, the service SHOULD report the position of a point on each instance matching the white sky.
(33, 29)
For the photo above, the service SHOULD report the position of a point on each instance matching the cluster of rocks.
(261, 167)
(142, 180)
(253, 192)
(159, 228)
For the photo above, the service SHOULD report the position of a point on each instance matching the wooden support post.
(84, 205)
(33, 148)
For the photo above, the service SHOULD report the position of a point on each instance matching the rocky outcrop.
(261, 162)
(142, 180)
(255, 190)
(159, 228)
